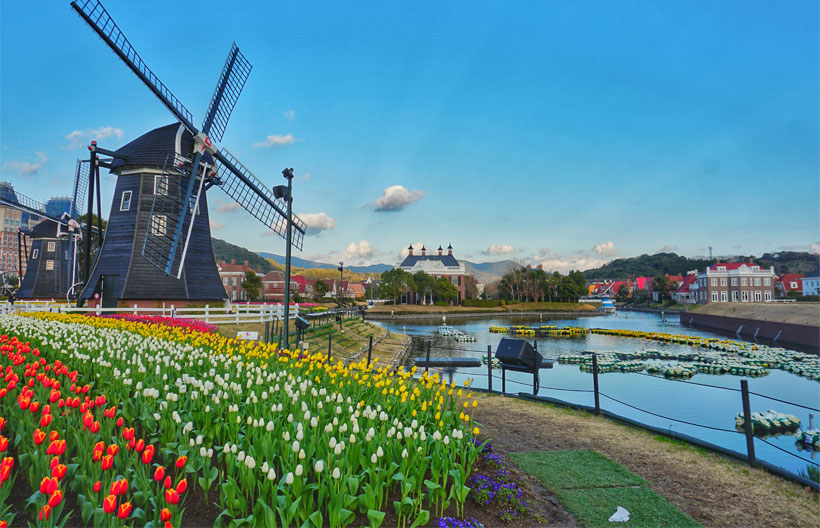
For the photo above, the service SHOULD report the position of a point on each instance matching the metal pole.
(329, 341)
(535, 371)
(490, 368)
(595, 383)
(288, 174)
(427, 367)
(369, 350)
(90, 211)
(748, 428)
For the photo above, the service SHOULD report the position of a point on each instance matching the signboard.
(247, 335)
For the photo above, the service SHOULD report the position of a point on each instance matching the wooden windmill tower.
(158, 244)
(51, 260)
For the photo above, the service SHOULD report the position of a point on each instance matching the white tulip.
(336, 473)
(319, 466)
(289, 479)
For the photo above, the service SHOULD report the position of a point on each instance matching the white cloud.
(668, 248)
(359, 253)
(397, 197)
(306, 176)
(216, 226)
(290, 115)
(605, 248)
(79, 138)
(566, 263)
(276, 140)
(317, 222)
(27, 168)
(405, 251)
(499, 249)
(227, 208)
(815, 248)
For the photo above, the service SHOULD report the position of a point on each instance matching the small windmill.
(178, 164)
(51, 262)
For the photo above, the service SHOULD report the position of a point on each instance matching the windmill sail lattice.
(231, 80)
(81, 174)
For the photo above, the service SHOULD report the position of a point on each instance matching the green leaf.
(421, 519)
(87, 512)
(398, 477)
(375, 517)
(407, 506)
(316, 519)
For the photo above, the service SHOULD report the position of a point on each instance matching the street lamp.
(286, 192)
(341, 269)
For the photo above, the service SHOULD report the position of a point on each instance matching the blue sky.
(564, 133)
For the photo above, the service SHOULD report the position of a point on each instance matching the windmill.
(51, 262)
(171, 168)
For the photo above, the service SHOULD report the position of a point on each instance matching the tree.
(470, 287)
(395, 282)
(580, 279)
(662, 285)
(444, 290)
(252, 284)
(623, 293)
(320, 288)
(425, 284)
(568, 290)
(641, 297)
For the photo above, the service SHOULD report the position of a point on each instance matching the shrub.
(441, 303)
(481, 303)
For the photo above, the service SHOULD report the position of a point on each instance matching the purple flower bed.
(452, 522)
(496, 486)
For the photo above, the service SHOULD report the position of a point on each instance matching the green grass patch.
(575, 469)
(592, 507)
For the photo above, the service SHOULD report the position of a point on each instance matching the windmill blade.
(246, 190)
(28, 205)
(230, 84)
(101, 22)
(81, 173)
(168, 207)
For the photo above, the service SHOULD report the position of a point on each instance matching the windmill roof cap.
(45, 229)
(154, 147)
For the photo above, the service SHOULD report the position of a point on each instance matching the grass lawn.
(591, 487)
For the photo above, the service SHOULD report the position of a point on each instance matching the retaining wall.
(787, 333)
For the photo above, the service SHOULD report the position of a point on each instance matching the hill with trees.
(227, 251)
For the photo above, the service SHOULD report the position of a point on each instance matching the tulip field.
(113, 422)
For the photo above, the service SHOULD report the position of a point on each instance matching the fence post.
(748, 427)
(173, 311)
(427, 365)
(535, 368)
(595, 383)
(207, 312)
(369, 350)
(99, 306)
(237, 314)
(135, 309)
(163, 309)
(329, 341)
(490, 369)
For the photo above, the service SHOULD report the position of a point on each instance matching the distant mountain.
(227, 251)
(487, 272)
(303, 263)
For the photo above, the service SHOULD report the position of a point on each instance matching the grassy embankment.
(399, 309)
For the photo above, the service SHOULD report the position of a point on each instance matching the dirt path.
(713, 490)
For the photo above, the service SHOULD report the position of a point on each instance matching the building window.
(161, 185)
(125, 201)
(734, 281)
(50, 247)
(734, 296)
(723, 281)
(714, 281)
(744, 281)
(757, 281)
(768, 295)
(744, 296)
(767, 281)
(714, 296)
(158, 224)
(758, 296)
(234, 281)
(724, 296)
(225, 281)
(49, 265)
(34, 254)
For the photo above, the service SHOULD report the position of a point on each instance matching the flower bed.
(276, 437)
(177, 322)
(769, 422)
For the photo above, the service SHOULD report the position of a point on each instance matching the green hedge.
(481, 303)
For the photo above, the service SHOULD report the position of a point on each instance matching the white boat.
(607, 306)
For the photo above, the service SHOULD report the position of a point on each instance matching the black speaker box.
(517, 352)
(301, 323)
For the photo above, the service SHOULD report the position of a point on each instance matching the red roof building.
(232, 275)
(789, 282)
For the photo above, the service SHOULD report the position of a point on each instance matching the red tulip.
(113, 449)
(182, 485)
(159, 473)
(35, 406)
(119, 421)
(54, 462)
(45, 420)
(181, 461)
(2, 423)
(110, 503)
(148, 454)
(59, 471)
(45, 511)
(140, 445)
(95, 427)
(107, 462)
(128, 433)
(56, 498)
(168, 525)
(39, 437)
(167, 483)
(97, 486)
(88, 419)
(165, 515)
(54, 396)
(53, 435)
(4, 443)
(131, 444)
(124, 511)
(171, 496)
(48, 485)
(4, 524)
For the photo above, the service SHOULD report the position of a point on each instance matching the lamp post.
(281, 191)
(341, 269)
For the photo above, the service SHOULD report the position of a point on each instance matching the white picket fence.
(235, 314)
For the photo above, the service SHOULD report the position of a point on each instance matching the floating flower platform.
(768, 422)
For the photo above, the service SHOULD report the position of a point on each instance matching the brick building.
(273, 287)
(232, 275)
(743, 282)
(437, 266)
(787, 283)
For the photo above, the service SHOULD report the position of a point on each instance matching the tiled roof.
(687, 281)
(731, 265)
(813, 274)
(411, 260)
(227, 267)
(787, 279)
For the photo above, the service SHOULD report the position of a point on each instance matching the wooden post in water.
(427, 365)
(595, 383)
(490, 369)
(535, 367)
(369, 350)
(748, 428)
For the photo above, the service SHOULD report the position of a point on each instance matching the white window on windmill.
(158, 223)
(125, 201)
(161, 184)
(34, 254)
(50, 247)
(49, 265)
